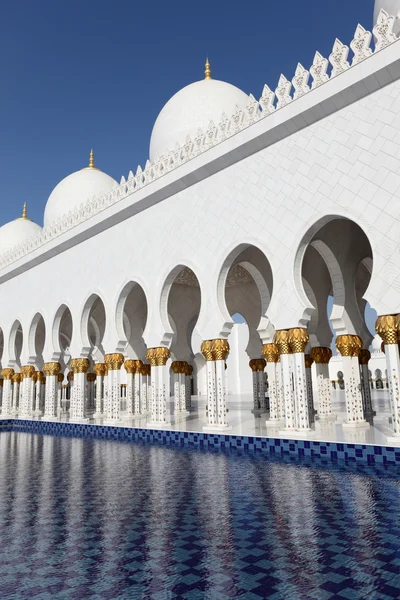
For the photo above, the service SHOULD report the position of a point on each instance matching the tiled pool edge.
(333, 451)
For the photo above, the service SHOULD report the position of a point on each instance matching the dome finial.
(207, 71)
(24, 212)
(91, 159)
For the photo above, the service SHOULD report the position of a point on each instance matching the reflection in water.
(89, 518)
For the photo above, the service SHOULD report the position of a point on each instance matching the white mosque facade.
(259, 207)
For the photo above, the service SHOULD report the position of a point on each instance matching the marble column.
(113, 363)
(27, 372)
(388, 327)
(254, 368)
(158, 358)
(137, 382)
(59, 393)
(321, 356)
(1, 394)
(16, 382)
(80, 367)
(51, 371)
(215, 352)
(39, 376)
(279, 389)
(70, 378)
(298, 340)
(7, 375)
(146, 388)
(271, 354)
(100, 371)
(310, 395)
(91, 378)
(281, 339)
(188, 375)
(261, 384)
(130, 388)
(363, 359)
(349, 347)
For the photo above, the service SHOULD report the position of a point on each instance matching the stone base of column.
(50, 418)
(78, 420)
(326, 417)
(296, 432)
(275, 423)
(356, 425)
(183, 413)
(212, 428)
(98, 415)
(158, 425)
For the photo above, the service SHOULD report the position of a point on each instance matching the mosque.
(263, 207)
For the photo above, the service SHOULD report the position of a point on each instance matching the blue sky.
(82, 73)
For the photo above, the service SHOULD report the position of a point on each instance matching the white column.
(182, 390)
(51, 370)
(261, 384)
(279, 389)
(7, 375)
(254, 367)
(282, 341)
(206, 349)
(349, 347)
(221, 393)
(363, 360)
(310, 395)
(100, 371)
(27, 388)
(271, 353)
(114, 363)
(1, 394)
(129, 393)
(158, 358)
(79, 367)
(298, 340)
(38, 393)
(188, 375)
(145, 388)
(177, 392)
(321, 356)
(15, 394)
(388, 328)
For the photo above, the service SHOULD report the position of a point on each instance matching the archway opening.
(132, 312)
(94, 319)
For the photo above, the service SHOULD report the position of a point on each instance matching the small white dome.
(75, 190)
(17, 232)
(376, 344)
(193, 108)
(392, 7)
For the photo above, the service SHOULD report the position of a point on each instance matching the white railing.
(321, 71)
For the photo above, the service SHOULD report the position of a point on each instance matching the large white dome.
(193, 108)
(17, 232)
(75, 190)
(392, 7)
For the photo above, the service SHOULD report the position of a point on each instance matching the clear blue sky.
(82, 73)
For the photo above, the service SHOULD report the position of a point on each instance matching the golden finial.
(24, 212)
(207, 71)
(91, 159)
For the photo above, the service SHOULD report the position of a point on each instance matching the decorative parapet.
(269, 102)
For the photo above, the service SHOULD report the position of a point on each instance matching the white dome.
(193, 108)
(17, 232)
(392, 7)
(376, 344)
(75, 190)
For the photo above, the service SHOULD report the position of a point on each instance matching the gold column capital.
(308, 359)
(7, 373)
(133, 366)
(146, 369)
(27, 371)
(70, 376)
(60, 377)
(386, 328)
(1, 382)
(91, 377)
(220, 349)
(114, 361)
(178, 366)
(364, 356)
(349, 345)
(298, 339)
(51, 369)
(16, 378)
(253, 365)
(321, 355)
(206, 350)
(189, 370)
(281, 339)
(270, 352)
(99, 369)
(80, 365)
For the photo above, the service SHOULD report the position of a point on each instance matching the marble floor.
(244, 422)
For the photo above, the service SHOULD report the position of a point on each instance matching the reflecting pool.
(97, 519)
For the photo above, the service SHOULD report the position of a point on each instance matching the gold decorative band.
(270, 352)
(27, 371)
(100, 369)
(51, 369)
(387, 328)
(133, 366)
(17, 378)
(308, 361)
(257, 364)
(349, 345)
(298, 339)
(91, 377)
(114, 361)
(215, 349)
(80, 365)
(321, 355)
(7, 373)
(158, 356)
(281, 339)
